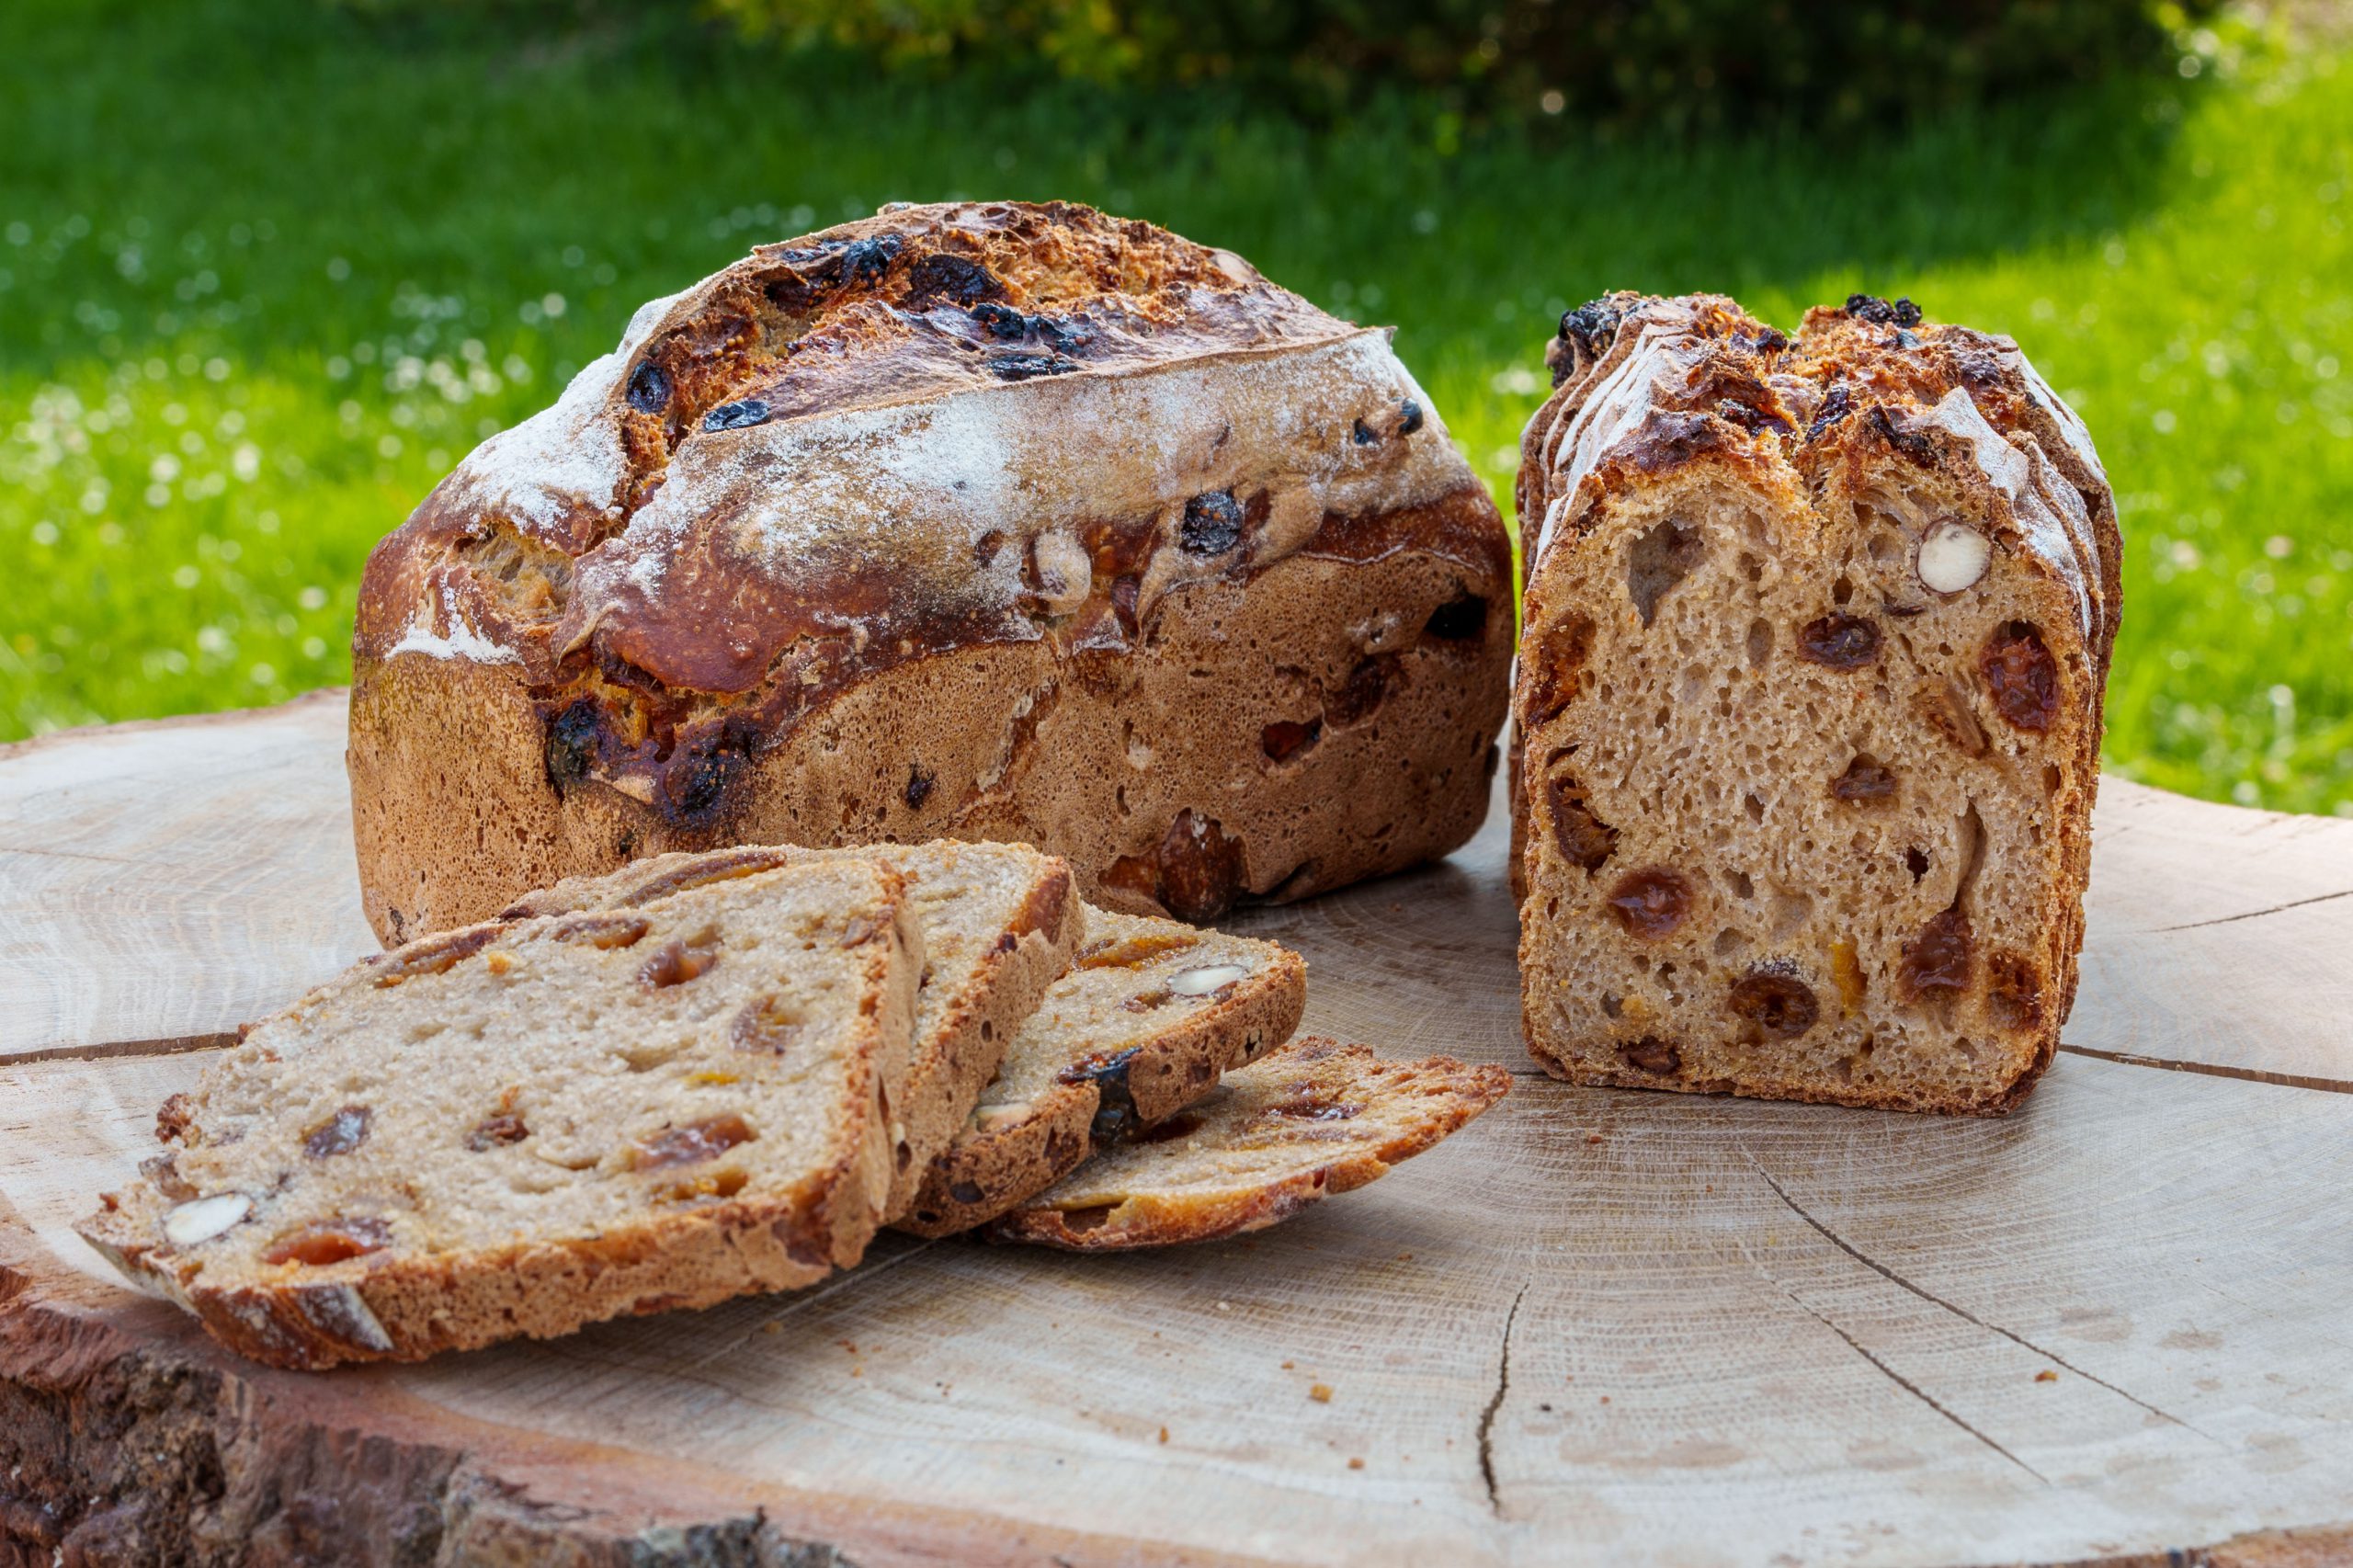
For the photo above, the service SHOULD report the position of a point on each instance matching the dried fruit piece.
(2020, 674)
(1206, 979)
(1028, 367)
(1651, 1054)
(1952, 557)
(740, 415)
(1200, 869)
(1213, 524)
(1651, 903)
(768, 1027)
(1780, 1004)
(324, 1242)
(433, 956)
(919, 785)
(1839, 642)
(1869, 308)
(205, 1218)
(1126, 952)
(677, 961)
(1584, 839)
(2014, 989)
(1409, 416)
(1938, 958)
(649, 388)
(496, 1131)
(689, 1144)
(1848, 974)
(1864, 780)
(1284, 739)
(945, 276)
(339, 1133)
(603, 932)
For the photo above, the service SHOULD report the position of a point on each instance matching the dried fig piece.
(1126, 952)
(1556, 669)
(1651, 903)
(765, 1026)
(1661, 1058)
(1864, 780)
(603, 932)
(324, 1242)
(437, 957)
(677, 961)
(1584, 839)
(1839, 642)
(1780, 1004)
(339, 1133)
(496, 1131)
(689, 1144)
(1285, 739)
(2022, 676)
(1213, 524)
(1938, 958)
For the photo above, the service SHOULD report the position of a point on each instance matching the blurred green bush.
(1682, 65)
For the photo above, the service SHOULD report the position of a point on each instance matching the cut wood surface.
(1598, 1326)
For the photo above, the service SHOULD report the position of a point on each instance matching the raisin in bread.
(999, 922)
(1308, 1119)
(983, 521)
(1808, 712)
(521, 1126)
(1150, 1015)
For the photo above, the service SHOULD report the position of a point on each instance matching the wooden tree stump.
(1600, 1327)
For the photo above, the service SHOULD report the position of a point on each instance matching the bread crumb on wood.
(1321, 1393)
(1289, 1365)
(1355, 1464)
(2046, 1376)
(1164, 1434)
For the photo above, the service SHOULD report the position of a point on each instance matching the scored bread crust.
(1309, 1119)
(1046, 526)
(686, 1239)
(1112, 1048)
(1867, 418)
(980, 987)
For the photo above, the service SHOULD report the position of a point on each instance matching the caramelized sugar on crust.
(1807, 727)
(1150, 1015)
(1307, 1120)
(990, 520)
(519, 1127)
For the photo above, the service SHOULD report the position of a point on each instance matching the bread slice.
(1309, 1118)
(1148, 1017)
(1809, 706)
(520, 1127)
(1000, 922)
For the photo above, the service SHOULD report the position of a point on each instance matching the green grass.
(267, 269)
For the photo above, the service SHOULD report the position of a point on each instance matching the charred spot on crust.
(739, 415)
(701, 774)
(1837, 403)
(1362, 434)
(1409, 416)
(1028, 367)
(339, 1133)
(1459, 620)
(1002, 321)
(2021, 676)
(1755, 421)
(1592, 326)
(1115, 1107)
(1881, 312)
(1660, 1058)
(945, 276)
(1839, 642)
(919, 786)
(865, 261)
(649, 388)
(572, 744)
(1584, 840)
(1780, 1004)
(1213, 524)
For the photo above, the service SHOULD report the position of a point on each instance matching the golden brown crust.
(1865, 407)
(654, 630)
(1064, 1091)
(1309, 1119)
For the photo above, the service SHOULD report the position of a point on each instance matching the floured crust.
(1150, 1015)
(1000, 924)
(1849, 442)
(1009, 460)
(1310, 1117)
(526, 1125)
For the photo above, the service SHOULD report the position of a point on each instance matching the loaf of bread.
(520, 1127)
(1808, 711)
(999, 924)
(977, 521)
(1150, 1015)
(1307, 1120)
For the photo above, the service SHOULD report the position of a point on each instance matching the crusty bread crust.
(1064, 1091)
(1672, 415)
(982, 521)
(1307, 1120)
(979, 988)
(391, 1302)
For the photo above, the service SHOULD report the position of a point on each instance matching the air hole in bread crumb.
(1753, 806)
(1841, 590)
(1658, 561)
(1916, 862)
(1760, 642)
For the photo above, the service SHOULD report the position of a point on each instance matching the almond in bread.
(1808, 711)
(520, 1127)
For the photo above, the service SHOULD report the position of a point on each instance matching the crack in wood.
(2215, 1070)
(2255, 914)
(1884, 1272)
(1898, 1379)
(1495, 1404)
(809, 1298)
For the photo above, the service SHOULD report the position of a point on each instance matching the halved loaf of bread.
(520, 1127)
(1808, 711)
(1308, 1119)
(1148, 1017)
(1000, 922)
